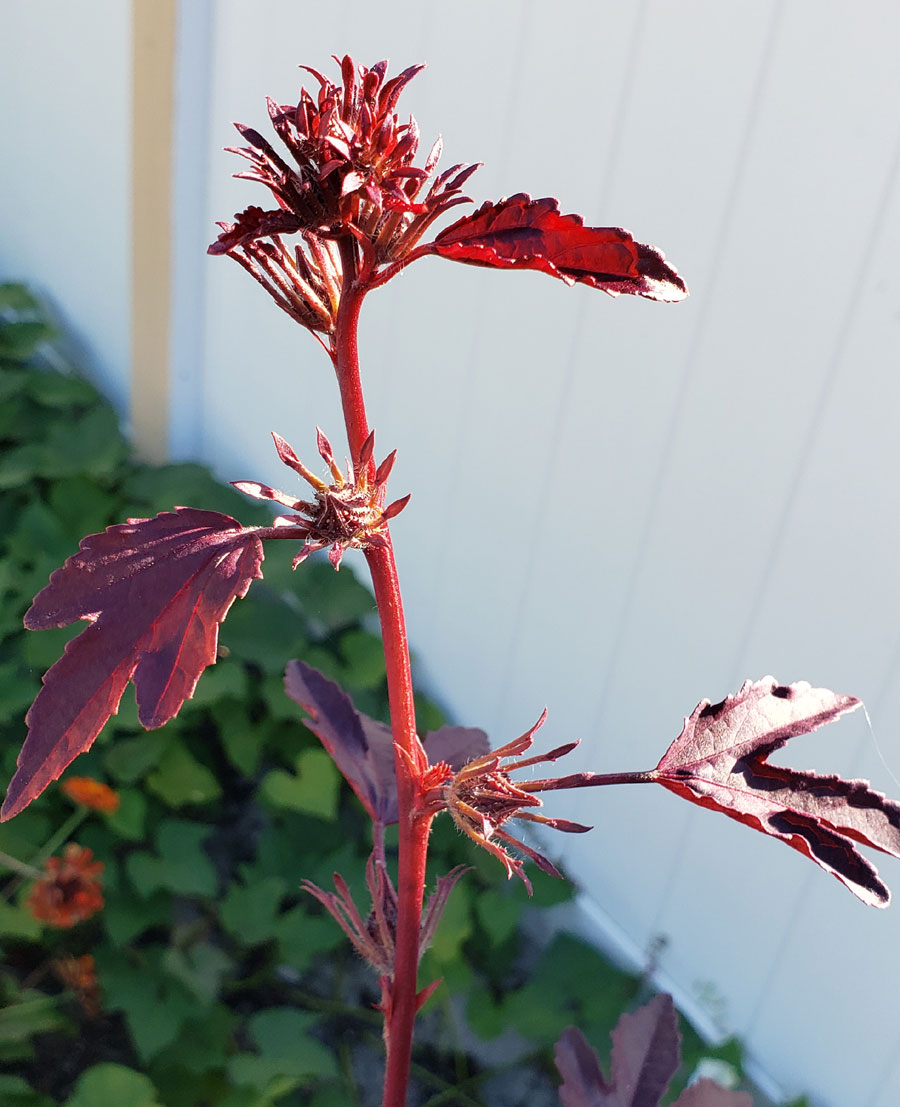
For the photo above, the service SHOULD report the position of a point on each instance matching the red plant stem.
(413, 837)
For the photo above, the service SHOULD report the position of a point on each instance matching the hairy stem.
(587, 780)
(413, 839)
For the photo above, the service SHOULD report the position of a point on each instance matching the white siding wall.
(65, 192)
(618, 507)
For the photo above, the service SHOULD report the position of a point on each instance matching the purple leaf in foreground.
(646, 1053)
(363, 748)
(456, 745)
(707, 1093)
(154, 592)
(719, 761)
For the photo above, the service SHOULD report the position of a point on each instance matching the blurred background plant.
(206, 977)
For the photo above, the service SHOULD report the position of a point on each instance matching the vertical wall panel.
(65, 86)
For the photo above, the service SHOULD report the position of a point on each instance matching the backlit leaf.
(720, 761)
(154, 592)
(521, 233)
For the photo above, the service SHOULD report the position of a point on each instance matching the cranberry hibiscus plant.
(352, 209)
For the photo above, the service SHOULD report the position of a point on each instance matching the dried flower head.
(346, 514)
(481, 798)
(80, 974)
(70, 890)
(91, 793)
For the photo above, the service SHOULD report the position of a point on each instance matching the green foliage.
(222, 985)
(113, 1084)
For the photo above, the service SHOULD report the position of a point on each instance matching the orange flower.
(70, 890)
(91, 793)
(80, 974)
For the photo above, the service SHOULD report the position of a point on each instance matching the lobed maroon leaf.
(521, 233)
(719, 761)
(645, 1055)
(707, 1093)
(456, 745)
(584, 1084)
(363, 748)
(154, 592)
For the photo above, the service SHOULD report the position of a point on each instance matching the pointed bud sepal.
(481, 798)
(374, 938)
(346, 514)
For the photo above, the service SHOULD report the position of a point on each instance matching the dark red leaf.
(154, 592)
(521, 233)
(456, 745)
(707, 1093)
(584, 1084)
(646, 1052)
(719, 761)
(363, 748)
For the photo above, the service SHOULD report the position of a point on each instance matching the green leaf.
(484, 1015)
(44, 648)
(109, 1084)
(242, 739)
(17, 690)
(182, 865)
(264, 630)
(128, 820)
(13, 381)
(20, 466)
(280, 705)
(363, 656)
(18, 922)
(201, 969)
(161, 487)
(314, 789)
(20, 420)
(333, 600)
(39, 530)
(248, 913)
(81, 506)
(227, 678)
(155, 1006)
(547, 891)
(131, 758)
(24, 835)
(31, 1013)
(498, 914)
(303, 937)
(89, 443)
(179, 779)
(17, 300)
(455, 925)
(18, 341)
(202, 1044)
(125, 917)
(286, 1048)
(16, 1092)
(260, 1081)
(63, 390)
